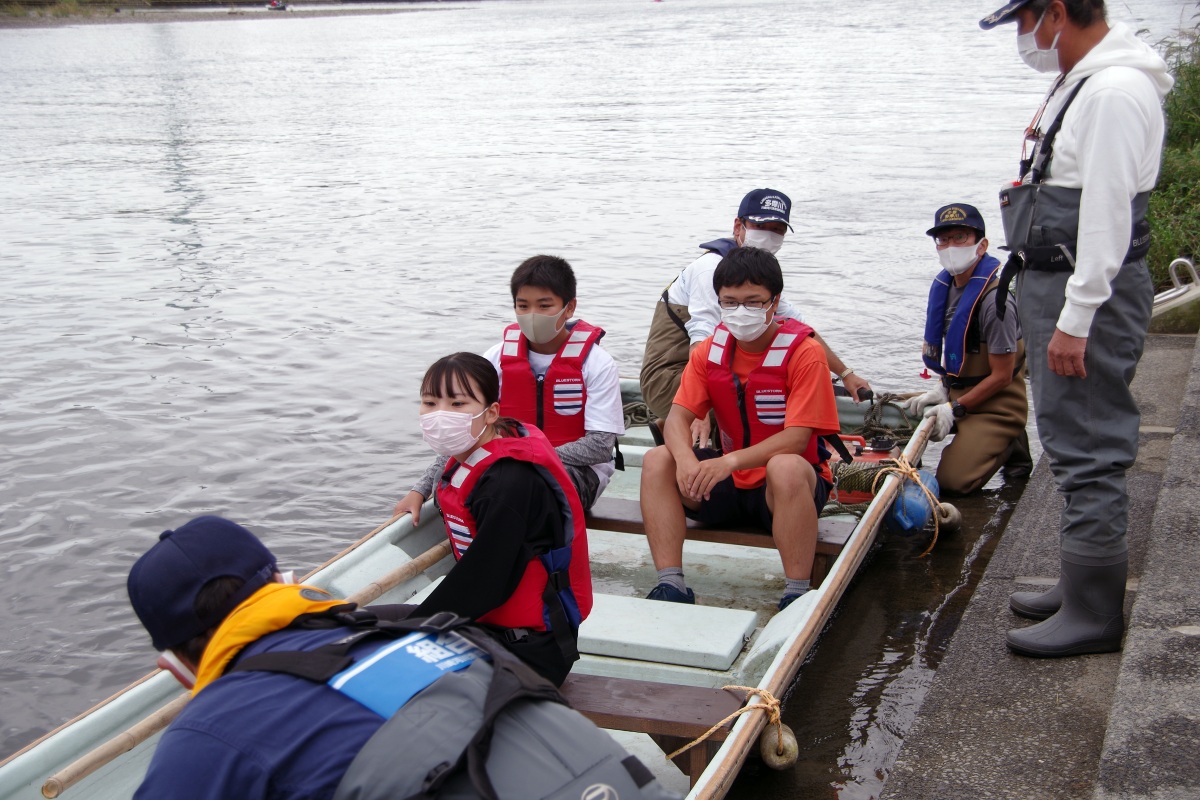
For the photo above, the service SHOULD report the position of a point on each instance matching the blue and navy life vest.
(721, 247)
(949, 360)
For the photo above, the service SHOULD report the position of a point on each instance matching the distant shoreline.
(116, 15)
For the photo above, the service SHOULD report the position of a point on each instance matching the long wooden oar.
(62, 780)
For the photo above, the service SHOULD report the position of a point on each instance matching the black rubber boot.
(1037, 605)
(1090, 619)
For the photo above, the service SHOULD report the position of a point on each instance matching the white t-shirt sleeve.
(493, 355)
(788, 311)
(604, 410)
(701, 299)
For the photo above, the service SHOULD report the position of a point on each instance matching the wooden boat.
(651, 672)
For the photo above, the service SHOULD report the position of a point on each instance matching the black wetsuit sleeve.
(517, 517)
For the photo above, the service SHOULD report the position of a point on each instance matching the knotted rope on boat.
(856, 476)
(769, 703)
(900, 467)
(636, 413)
(873, 418)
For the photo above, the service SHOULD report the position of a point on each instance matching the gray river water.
(230, 248)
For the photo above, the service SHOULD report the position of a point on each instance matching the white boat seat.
(705, 637)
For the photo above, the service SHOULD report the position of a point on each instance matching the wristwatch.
(958, 410)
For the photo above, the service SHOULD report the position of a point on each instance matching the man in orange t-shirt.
(768, 382)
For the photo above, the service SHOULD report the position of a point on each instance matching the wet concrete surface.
(1120, 725)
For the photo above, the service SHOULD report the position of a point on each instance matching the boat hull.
(738, 583)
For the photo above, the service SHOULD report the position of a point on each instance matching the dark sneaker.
(668, 593)
(787, 599)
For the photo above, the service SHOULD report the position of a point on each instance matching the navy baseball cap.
(165, 581)
(1005, 13)
(957, 215)
(766, 205)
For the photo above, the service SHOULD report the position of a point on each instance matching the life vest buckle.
(443, 621)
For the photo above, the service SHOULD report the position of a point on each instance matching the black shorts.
(728, 504)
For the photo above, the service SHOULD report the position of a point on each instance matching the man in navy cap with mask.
(688, 313)
(1075, 221)
(979, 356)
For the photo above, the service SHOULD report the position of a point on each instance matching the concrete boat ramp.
(1122, 725)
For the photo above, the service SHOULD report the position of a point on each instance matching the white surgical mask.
(173, 664)
(540, 328)
(1031, 54)
(764, 240)
(746, 324)
(957, 260)
(448, 433)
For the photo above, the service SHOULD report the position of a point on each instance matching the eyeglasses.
(752, 305)
(957, 239)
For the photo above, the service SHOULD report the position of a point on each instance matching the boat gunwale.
(718, 776)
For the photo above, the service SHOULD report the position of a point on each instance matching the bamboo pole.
(84, 766)
(406, 571)
(716, 781)
(64, 779)
(152, 673)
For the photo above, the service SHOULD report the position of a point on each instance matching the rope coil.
(636, 413)
(900, 467)
(770, 704)
(873, 418)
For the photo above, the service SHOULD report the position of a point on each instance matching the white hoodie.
(1110, 145)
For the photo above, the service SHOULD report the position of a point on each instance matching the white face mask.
(746, 324)
(173, 664)
(957, 260)
(1031, 54)
(540, 328)
(448, 433)
(764, 240)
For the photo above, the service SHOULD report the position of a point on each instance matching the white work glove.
(943, 416)
(915, 405)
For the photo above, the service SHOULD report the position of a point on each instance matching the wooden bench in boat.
(625, 516)
(650, 632)
(671, 714)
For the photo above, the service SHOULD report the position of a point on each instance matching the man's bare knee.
(789, 472)
(659, 459)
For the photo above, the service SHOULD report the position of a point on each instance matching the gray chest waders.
(1041, 223)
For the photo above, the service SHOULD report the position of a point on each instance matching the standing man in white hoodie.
(1084, 295)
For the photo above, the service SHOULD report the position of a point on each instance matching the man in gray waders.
(297, 695)
(1075, 223)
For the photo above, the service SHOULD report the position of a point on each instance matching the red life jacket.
(555, 401)
(539, 602)
(757, 408)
